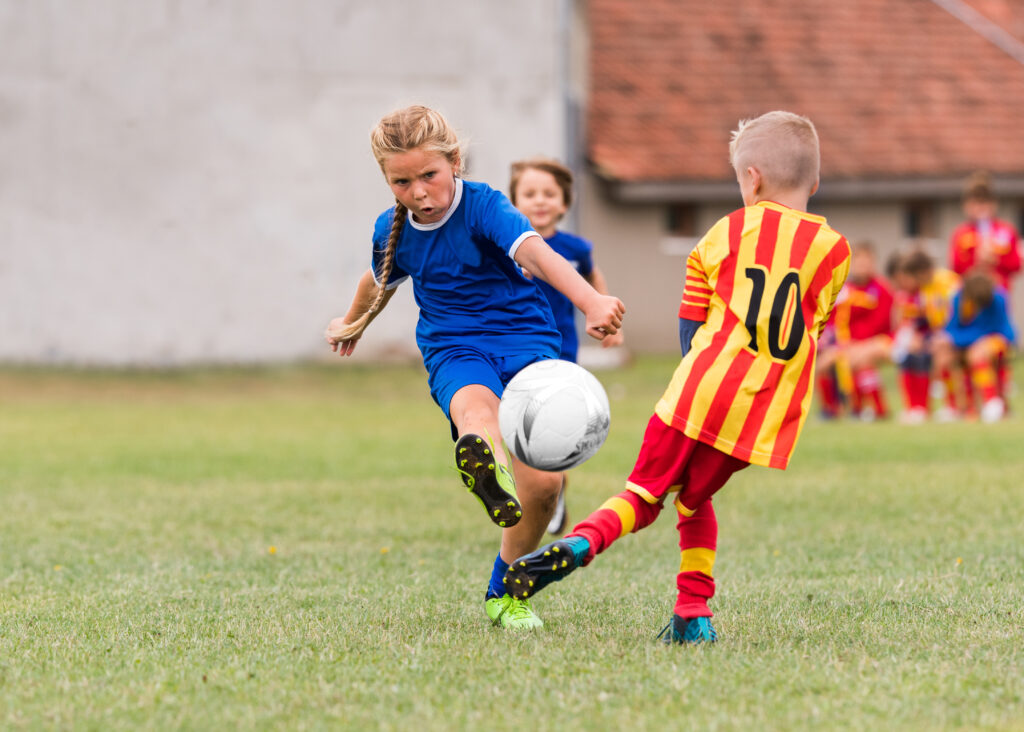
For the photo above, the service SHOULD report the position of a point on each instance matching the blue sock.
(497, 588)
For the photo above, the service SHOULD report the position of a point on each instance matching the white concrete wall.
(190, 181)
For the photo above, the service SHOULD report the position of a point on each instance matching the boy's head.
(542, 189)
(978, 290)
(979, 198)
(916, 269)
(775, 153)
(862, 262)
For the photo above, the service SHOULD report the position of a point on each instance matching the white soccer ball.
(554, 415)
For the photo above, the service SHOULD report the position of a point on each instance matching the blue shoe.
(688, 631)
(530, 574)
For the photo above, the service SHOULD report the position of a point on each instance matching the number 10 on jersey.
(785, 313)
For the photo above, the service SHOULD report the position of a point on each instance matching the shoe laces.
(519, 609)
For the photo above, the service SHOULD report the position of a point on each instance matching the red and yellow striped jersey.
(763, 280)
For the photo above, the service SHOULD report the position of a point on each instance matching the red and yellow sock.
(618, 516)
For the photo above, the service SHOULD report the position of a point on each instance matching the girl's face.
(539, 196)
(423, 181)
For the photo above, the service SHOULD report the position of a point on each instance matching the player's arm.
(961, 258)
(603, 313)
(596, 279)
(839, 275)
(366, 293)
(693, 310)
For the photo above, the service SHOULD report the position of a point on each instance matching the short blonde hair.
(783, 146)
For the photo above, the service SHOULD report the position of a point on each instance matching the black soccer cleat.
(530, 574)
(488, 480)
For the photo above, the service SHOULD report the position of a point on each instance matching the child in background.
(759, 289)
(986, 244)
(979, 335)
(921, 305)
(862, 337)
(542, 189)
(481, 320)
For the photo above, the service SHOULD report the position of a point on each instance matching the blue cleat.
(529, 574)
(688, 631)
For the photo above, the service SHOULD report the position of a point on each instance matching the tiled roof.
(897, 88)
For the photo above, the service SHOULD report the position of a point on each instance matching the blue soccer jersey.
(578, 252)
(966, 328)
(468, 287)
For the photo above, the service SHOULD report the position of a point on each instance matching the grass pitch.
(290, 549)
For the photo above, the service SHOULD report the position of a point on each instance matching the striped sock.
(618, 516)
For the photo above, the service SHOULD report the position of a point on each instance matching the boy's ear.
(814, 188)
(756, 182)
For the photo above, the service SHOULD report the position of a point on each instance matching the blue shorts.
(453, 368)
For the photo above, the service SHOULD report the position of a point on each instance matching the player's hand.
(604, 315)
(341, 346)
(612, 341)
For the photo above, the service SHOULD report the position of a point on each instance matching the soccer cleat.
(993, 410)
(530, 574)
(560, 519)
(688, 631)
(509, 612)
(487, 479)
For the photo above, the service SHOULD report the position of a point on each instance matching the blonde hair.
(401, 131)
(561, 174)
(783, 146)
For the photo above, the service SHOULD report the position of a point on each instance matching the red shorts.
(671, 462)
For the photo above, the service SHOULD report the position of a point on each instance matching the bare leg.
(474, 409)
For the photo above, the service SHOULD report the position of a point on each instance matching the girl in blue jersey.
(542, 189)
(480, 322)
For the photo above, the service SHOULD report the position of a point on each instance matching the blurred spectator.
(859, 338)
(977, 337)
(922, 303)
(984, 241)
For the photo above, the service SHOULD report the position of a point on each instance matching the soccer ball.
(554, 415)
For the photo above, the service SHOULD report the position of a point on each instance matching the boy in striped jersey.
(759, 289)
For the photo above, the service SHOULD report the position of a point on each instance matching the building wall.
(187, 181)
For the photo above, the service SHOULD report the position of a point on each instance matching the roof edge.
(830, 190)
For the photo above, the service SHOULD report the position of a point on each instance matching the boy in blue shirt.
(542, 189)
(481, 320)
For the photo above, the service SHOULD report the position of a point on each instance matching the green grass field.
(289, 548)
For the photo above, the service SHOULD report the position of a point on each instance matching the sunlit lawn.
(289, 548)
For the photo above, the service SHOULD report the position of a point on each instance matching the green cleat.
(529, 574)
(487, 479)
(509, 612)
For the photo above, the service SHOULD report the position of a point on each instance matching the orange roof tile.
(897, 89)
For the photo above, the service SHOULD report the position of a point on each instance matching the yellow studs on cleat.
(554, 549)
(522, 564)
(547, 554)
(497, 512)
(490, 466)
(501, 524)
(511, 504)
(531, 583)
(565, 563)
(525, 595)
(519, 582)
(519, 514)
(554, 566)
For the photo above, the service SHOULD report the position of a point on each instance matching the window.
(681, 220)
(919, 220)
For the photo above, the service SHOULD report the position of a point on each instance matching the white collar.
(447, 214)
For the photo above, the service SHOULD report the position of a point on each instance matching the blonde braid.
(355, 329)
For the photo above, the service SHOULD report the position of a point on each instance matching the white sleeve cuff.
(522, 237)
(392, 284)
